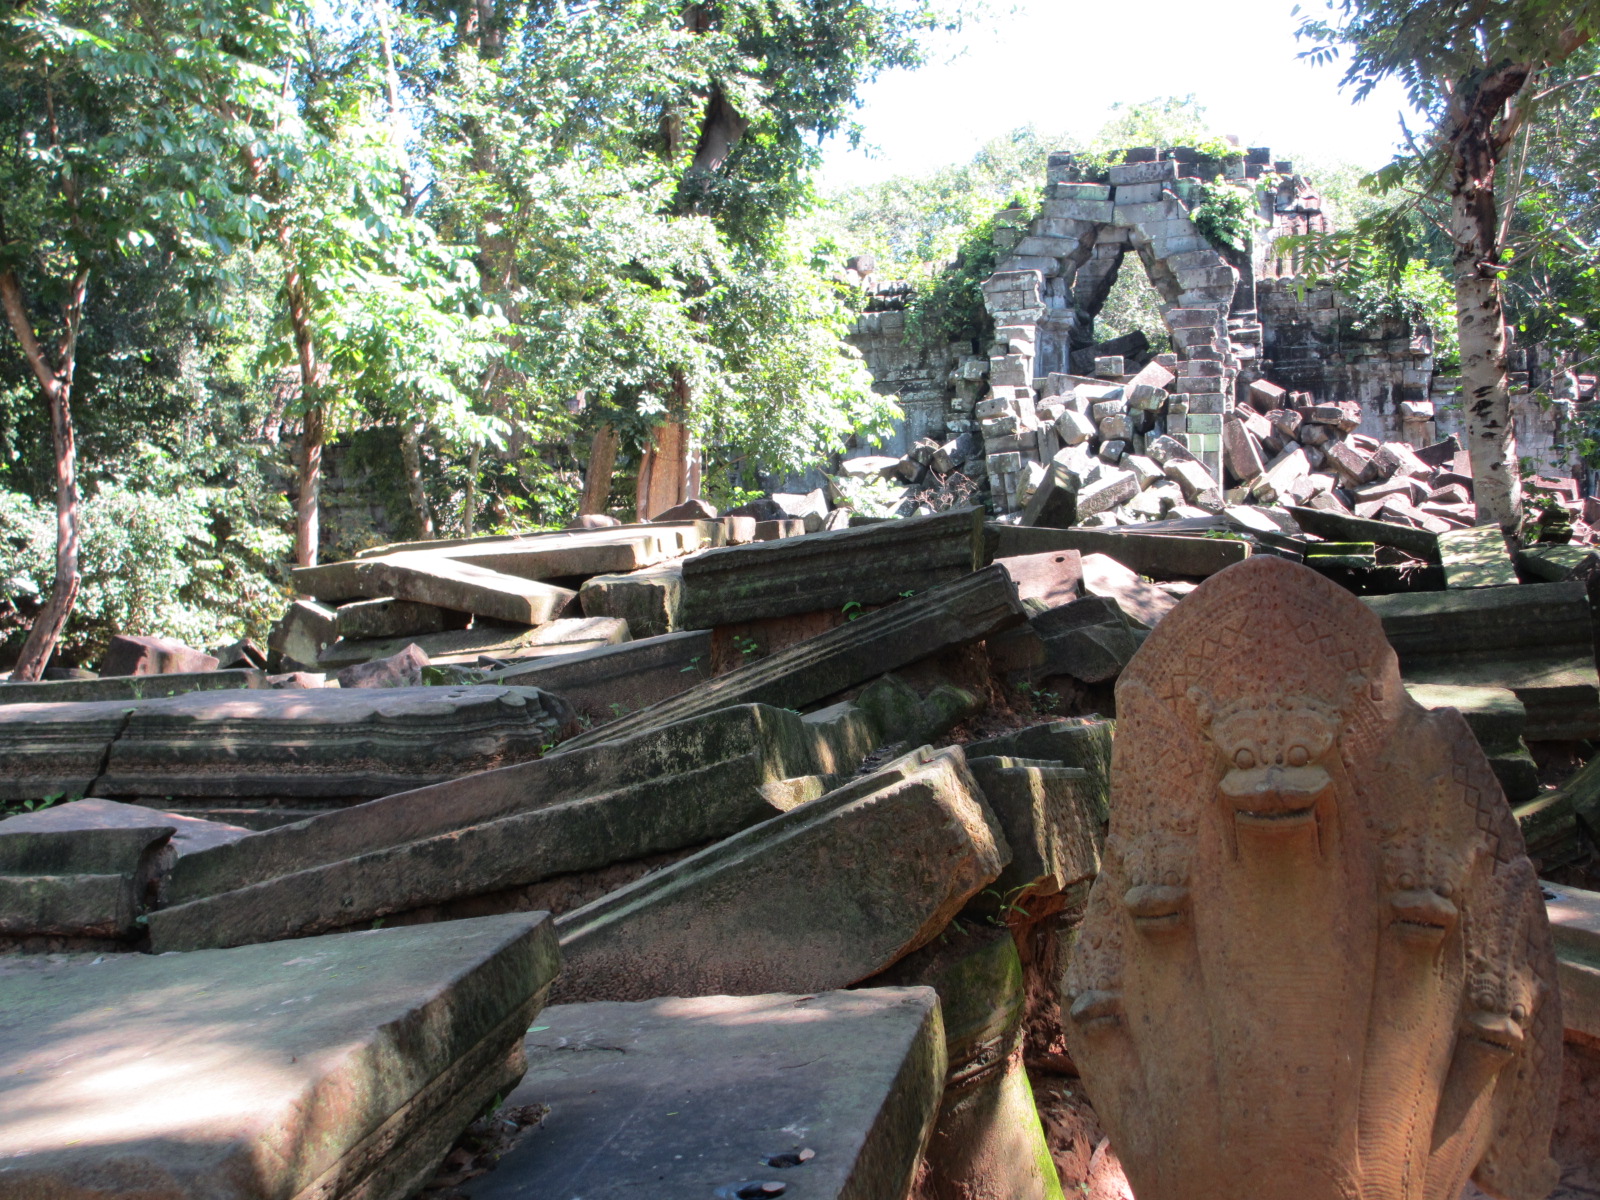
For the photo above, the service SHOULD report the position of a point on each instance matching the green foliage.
(950, 307)
(1374, 292)
(917, 223)
(162, 555)
(1228, 214)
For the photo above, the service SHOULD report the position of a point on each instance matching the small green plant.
(747, 646)
(851, 610)
(694, 665)
(1227, 214)
(1005, 902)
(25, 806)
(1037, 698)
(619, 709)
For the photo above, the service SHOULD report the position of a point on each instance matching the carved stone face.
(1315, 964)
(1273, 754)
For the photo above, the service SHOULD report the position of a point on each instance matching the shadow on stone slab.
(340, 1067)
(830, 1096)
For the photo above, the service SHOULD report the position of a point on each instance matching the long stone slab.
(431, 578)
(1575, 929)
(562, 556)
(688, 808)
(820, 897)
(610, 681)
(671, 537)
(342, 1067)
(1476, 557)
(1535, 639)
(1339, 527)
(1160, 556)
(189, 834)
(828, 1097)
(712, 759)
(130, 687)
(966, 610)
(870, 564)
(326, 744)
(466, 646)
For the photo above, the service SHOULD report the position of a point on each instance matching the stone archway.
(1048, 289)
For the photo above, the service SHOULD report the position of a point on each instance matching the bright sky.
(1060, 65)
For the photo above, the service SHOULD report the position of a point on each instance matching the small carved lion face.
(1272, 754)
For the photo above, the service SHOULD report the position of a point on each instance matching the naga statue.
(1316, 963)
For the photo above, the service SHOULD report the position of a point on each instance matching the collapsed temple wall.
(1233, 317)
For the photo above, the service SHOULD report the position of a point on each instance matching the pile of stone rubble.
(714, 866)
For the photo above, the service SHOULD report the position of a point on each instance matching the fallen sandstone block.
(327, 745)
(79, 883)
(822, 896)
(491, 859)
(1536, 640)
(607, 681)
(387, 617)
(871, 564)
(1476, 557)
(1072, 742)
(1159, 556)
(649, 600)
(130, 687)
(958, 613)
(432, 578)
(344, 1068)
(468, 647)
(132, 655)
(833, 1093)
(1052, 820)
(988, 1140)
(398, 670)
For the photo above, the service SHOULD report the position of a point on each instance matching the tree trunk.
(602, 465)
(1486, 396)
(469, 503)
(56, 384)
(308, 509)
(663, 470)
(1476, 135)
(411, 459)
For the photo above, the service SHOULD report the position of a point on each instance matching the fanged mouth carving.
(1275, 799)
(1097, 1010)
(1422, 915)
(1157, 909)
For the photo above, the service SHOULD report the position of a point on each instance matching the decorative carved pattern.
(1315, 965)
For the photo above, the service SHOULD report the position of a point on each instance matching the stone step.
(952, 614)
(829, 1096)
(342, 1067)
(823, 896)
